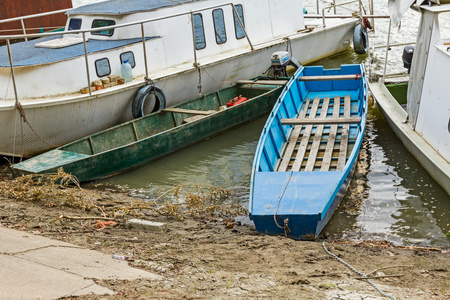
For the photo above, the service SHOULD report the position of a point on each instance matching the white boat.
(423, 124)
(184, 47)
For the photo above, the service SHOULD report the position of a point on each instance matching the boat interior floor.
(321, 146)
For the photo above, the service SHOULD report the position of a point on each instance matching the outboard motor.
(407, 56)
(281, 60)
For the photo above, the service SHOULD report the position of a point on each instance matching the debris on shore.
(192, 237)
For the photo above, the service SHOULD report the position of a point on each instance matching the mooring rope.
(24, 118)
(358, 272)
(286, 221)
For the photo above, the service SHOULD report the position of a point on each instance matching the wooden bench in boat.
(329, 77)
(295, 152)
(318, 121)
(198, 114)
(189, 111)
(265, 82)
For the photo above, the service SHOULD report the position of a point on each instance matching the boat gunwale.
(351, 158)
(163, 112)
(430, 159)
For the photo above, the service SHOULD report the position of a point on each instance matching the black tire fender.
(360, 39)
(137, 108)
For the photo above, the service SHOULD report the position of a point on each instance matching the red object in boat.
(236, 100)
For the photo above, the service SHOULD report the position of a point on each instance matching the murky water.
(391, 196)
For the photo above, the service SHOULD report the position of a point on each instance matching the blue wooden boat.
(307, 151)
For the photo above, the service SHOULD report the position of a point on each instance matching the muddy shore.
(212, 256)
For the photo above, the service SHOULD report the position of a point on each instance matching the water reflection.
(223, 161)
(400, 203)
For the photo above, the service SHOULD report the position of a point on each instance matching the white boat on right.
(418, 108)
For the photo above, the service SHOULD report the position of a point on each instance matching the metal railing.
(32, 17)
(84, 31)
(333, 5)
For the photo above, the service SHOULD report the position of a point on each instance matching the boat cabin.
(177, 34)
(428, 108)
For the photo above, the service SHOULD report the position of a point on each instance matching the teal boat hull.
(140, 141)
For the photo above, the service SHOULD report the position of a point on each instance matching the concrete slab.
(15, 241)
(87, 263)
(22, 279)
(36, 267)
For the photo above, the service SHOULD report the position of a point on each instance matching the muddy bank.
(215, 257)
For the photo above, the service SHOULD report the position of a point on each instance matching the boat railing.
(349, 5)
(22, 18)
(83, 32)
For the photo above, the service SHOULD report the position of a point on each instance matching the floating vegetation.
(62, 189)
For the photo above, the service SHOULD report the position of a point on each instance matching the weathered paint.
(117, 149)
(307, 199)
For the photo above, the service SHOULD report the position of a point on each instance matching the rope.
(22, 114)
(288, 45)
(286, 221)
(199, 87)
(358, 272)
(218, 81)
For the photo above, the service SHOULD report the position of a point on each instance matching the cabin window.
(74, 24)
(219, 26)
(444, 26)
(128, 56)
(103, 23)
(239, 31)
(102, 67)
(199, 32)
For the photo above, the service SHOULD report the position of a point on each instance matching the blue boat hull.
(299, 203)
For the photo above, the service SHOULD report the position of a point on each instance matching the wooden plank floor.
(319, 147)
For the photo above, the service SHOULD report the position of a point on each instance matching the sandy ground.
(203, 257)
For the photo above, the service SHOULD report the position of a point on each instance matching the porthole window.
(199, 32)
(128, 56)
(74, 24)
(239, 31)
(102, 67)
(219, 26)
(103, 23)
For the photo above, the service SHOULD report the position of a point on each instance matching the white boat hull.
(428, 157)
(61, 120)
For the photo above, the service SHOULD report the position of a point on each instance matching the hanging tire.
(360, 39)
(142, 98)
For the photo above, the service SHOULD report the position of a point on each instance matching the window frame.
(215, 27)
(99, 32)
(236, 22)
(70, 21)
(96, 67)
(203, 31)
(132, 54)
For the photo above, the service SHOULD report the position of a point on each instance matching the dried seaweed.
(181, 201)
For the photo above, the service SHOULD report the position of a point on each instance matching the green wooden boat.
(146, 139)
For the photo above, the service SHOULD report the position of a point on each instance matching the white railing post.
(87, 64)
(12, 71)
(145, 51)
(242, 25)
(387, 50)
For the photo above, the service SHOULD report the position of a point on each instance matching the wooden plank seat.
(321, 121)
(189, 111)
(329, 77)
(266, 82)
(302, 149)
